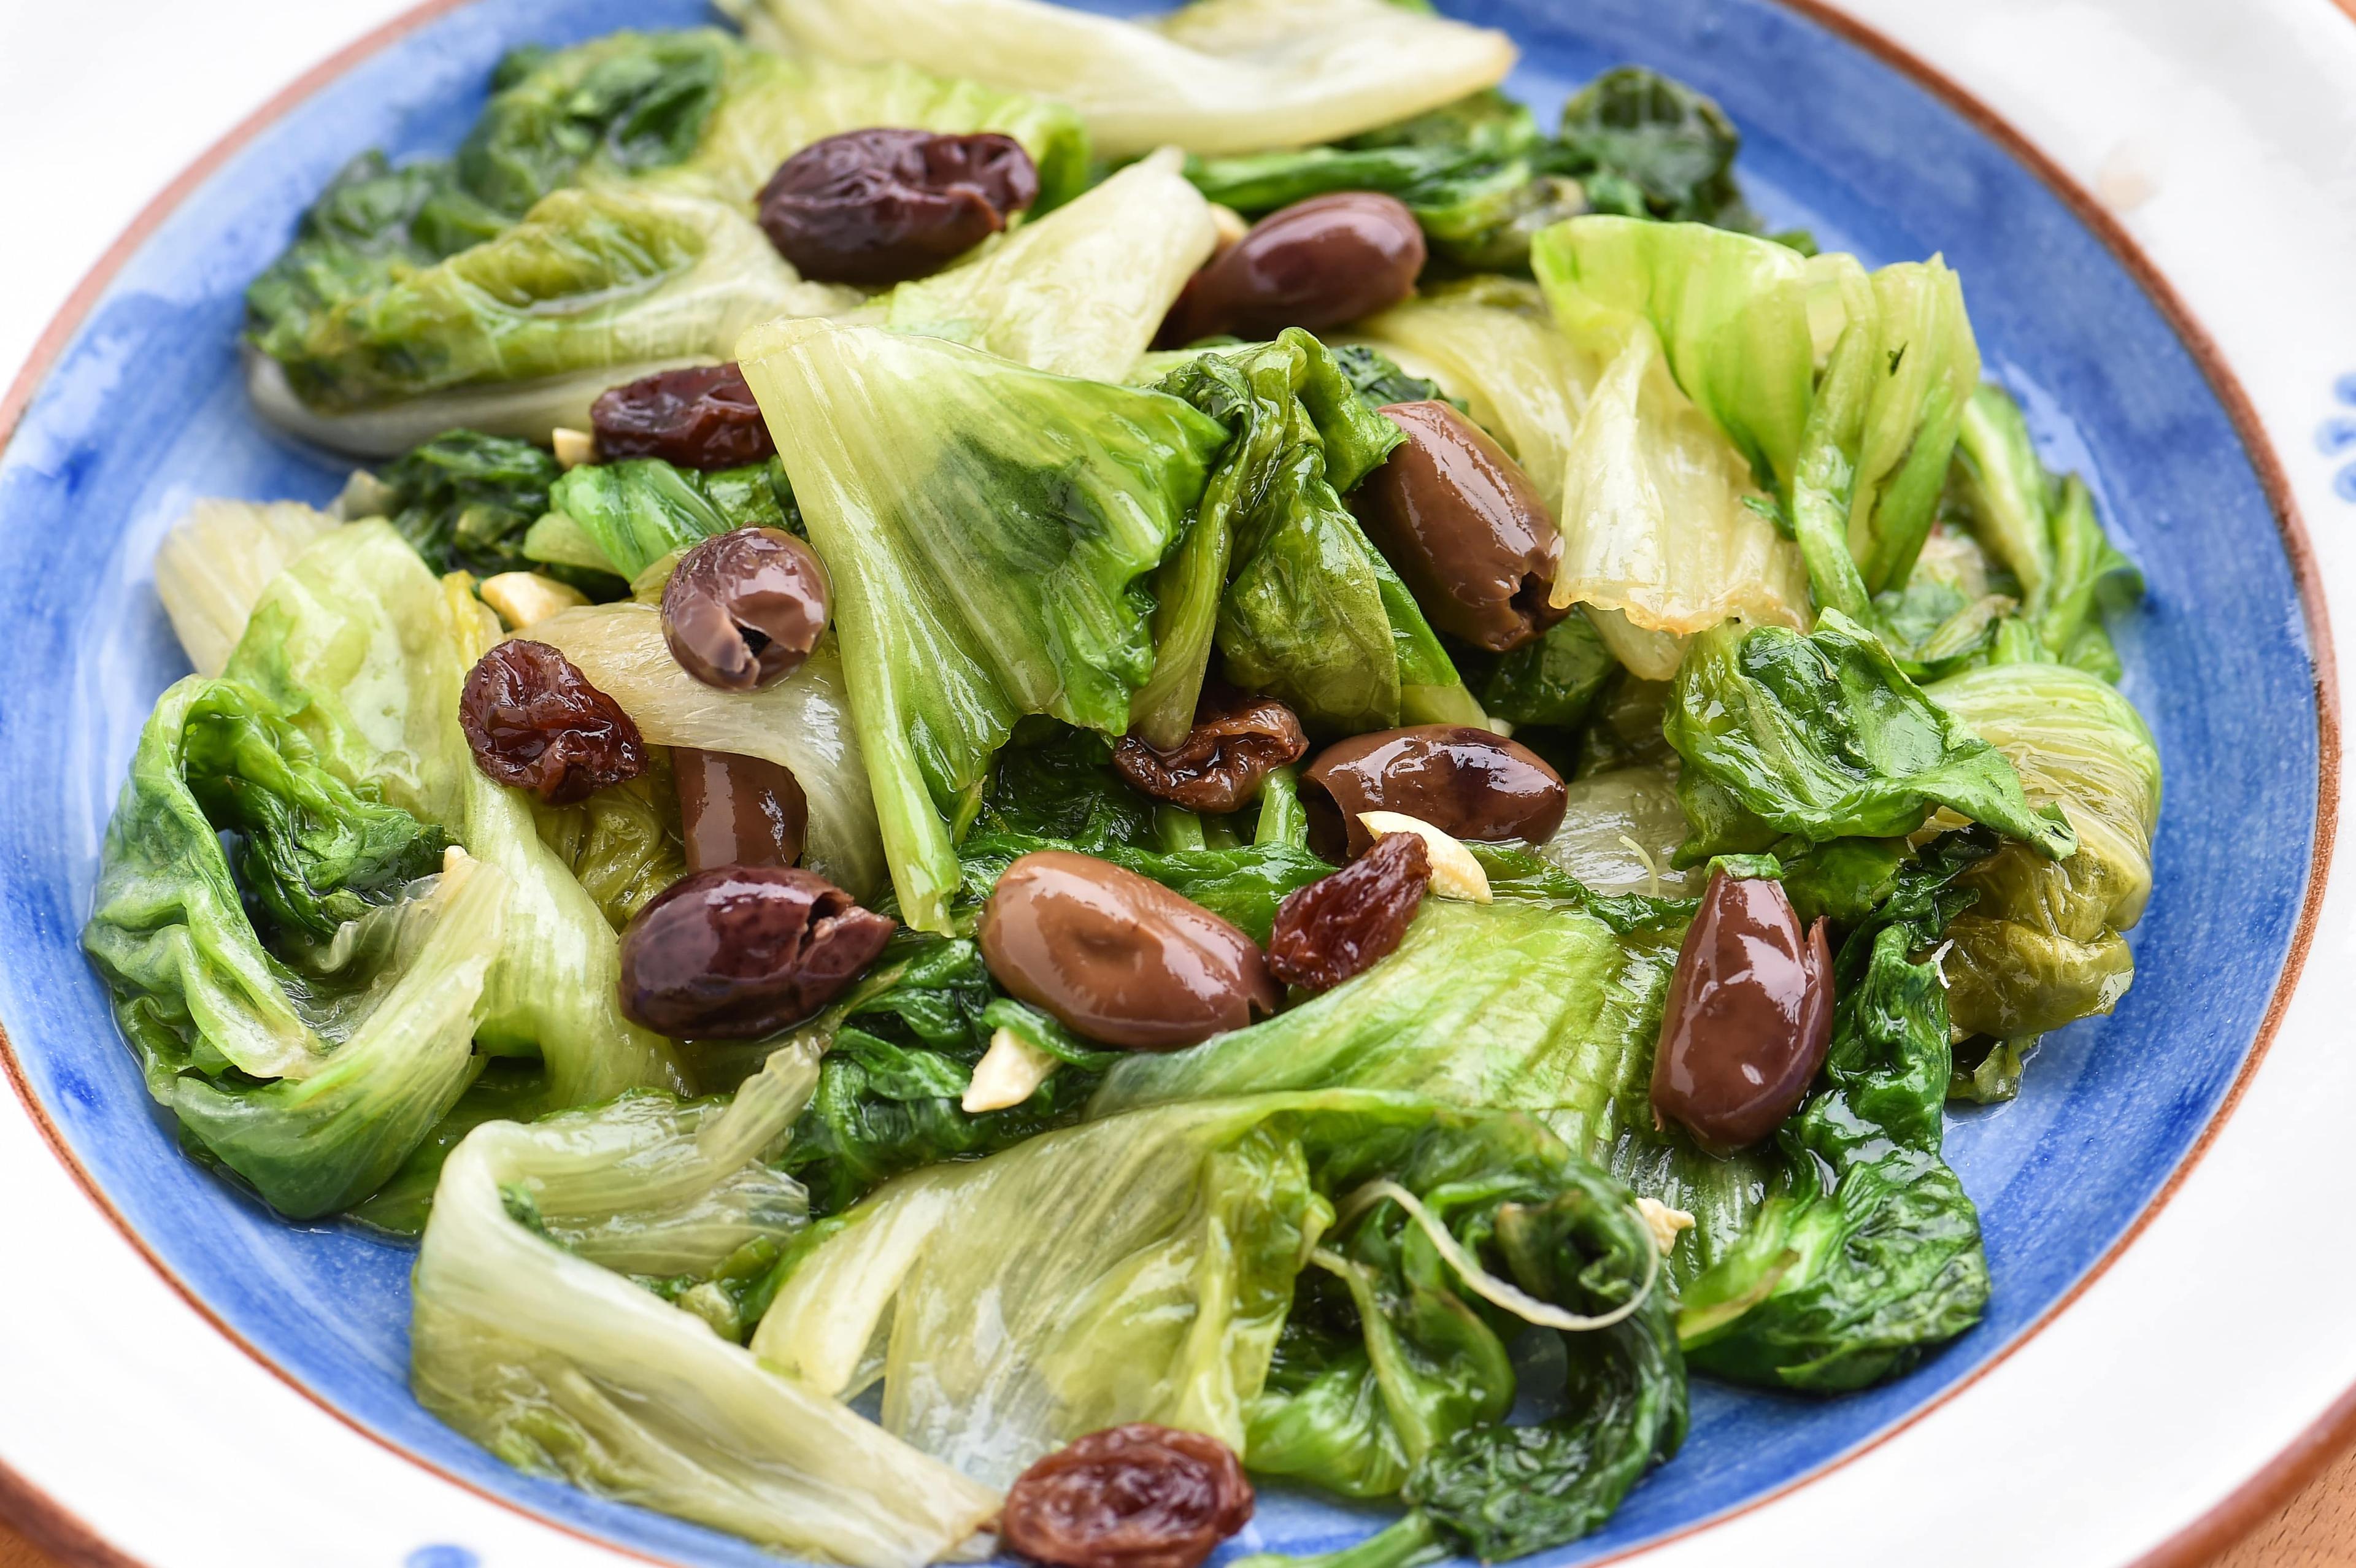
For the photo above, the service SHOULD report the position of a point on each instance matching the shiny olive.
(745, 609)
(1316, 263)
(738, 952)
(1749, 1016)
(883, 204)
(1466, 782)
(1464, 528)
(1117, 958)
(737, 811)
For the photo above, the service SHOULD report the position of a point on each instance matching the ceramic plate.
(2164, 1325)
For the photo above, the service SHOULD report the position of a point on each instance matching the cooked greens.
(1809, 636)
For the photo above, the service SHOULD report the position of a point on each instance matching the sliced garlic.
(572, 447)
(1009, 1072)
(1663, 1222)
(1229, 225)
(523, 597)
(1455, 874)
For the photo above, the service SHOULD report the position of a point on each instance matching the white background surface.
(2227, 130)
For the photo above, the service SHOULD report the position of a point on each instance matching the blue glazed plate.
(142, 411)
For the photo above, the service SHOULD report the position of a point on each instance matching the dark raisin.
(738, 952)
(745, 609)
(1347, 923)
(885, 205)
(1130, 1497)
(704, 417)
(1238, 740)
(534, 721)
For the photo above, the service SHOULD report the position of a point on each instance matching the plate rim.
(2302, 1458)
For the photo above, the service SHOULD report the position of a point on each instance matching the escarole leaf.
(1148, 1268)
(1866, 1253)
(1218, 76)
(1658, 534)
(311, 1076)
(802, 723)
(2041, 946)
(587, 288)
(1277, 571)
(633, 513)
(2045, 532)
(1823, 736)
(212, 567)
(470, 294)
(1661, 537)
(989, 529)
(1080, 292)
(1856, 457)
(365, 651)
(1549, 1001)
(562, 1367)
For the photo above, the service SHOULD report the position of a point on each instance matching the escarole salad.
(1054, 767)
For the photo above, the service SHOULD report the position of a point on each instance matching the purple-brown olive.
(745, 609)
(1469, 782)
(737, 810)
(1464, 528)
(738, 952)
(1749, 1017)
(882, 206)
(1317, 263)
(1117, 958)
(702, 417)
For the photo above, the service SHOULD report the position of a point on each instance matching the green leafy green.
(1856, 457)
(1553, 681)
(548, 1326)
(989, 529)
(1380, 381)
(1483, 180)
(596, 223)
(1646, 146)
(642, 509)
(2043, 945)
(1825, 737)
(1277, 571)
(314, 1074)
(362, 650)
(586, 280)
(466, 501)
(2045, 531)
(1147, 1266)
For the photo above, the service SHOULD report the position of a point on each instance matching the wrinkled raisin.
(1347, 923)
(738, 952)
(743, 608)
(883, 206)
(704, 417)
(1238, 740)
(1128, 1497)
(534, 721)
